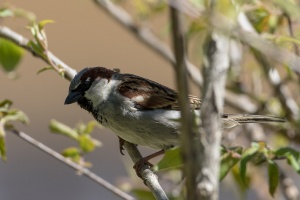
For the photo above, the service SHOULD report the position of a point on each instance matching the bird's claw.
(139, 164)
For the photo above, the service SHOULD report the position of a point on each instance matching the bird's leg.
(121, 145)
(137, 166)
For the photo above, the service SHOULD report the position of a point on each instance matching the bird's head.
(89, 85)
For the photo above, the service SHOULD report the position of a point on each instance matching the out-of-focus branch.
(190, 153)
(283, 93)
(272, 74)
(147, 174)
(21, 41)
(146, 36)
(227, 26)
(73, 165)
(290, 27)
(69, 74)
(216, 64)
(255, 41)
(240, 102)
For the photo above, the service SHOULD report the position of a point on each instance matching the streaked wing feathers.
(147, 94)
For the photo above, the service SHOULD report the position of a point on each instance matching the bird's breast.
(158, 129)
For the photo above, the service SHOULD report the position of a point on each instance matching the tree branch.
(189, 150)
(216, 65)
(73, 165)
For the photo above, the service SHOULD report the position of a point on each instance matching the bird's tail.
(231, 120)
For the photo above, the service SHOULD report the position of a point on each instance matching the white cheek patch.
(100, 90)
(138, 98)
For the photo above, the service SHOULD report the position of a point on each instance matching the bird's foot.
(145, 161)
(139, 164)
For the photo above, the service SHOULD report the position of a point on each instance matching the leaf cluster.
(80, 134)
(259, 154)
(8, 115)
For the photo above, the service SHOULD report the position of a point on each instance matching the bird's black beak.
(73, 97)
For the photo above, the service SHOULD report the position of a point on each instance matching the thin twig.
(189, 150)
(21, 41)
(73, 165)
(280, 90)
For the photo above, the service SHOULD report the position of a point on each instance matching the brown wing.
(147, 94)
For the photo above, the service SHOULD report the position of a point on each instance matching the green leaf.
(90, 126)
(86, 143)
(229, 159)
(71, 152)
(74, 154)
(171, 159)
(143, 194)
(284, 151)
(10, 55)
(273, 173)
(83, 129)
(16, 115)
(6, 115)
(294, 162)
(292, 156)
(246, 157)
(12, 115)
(42, 23)
(5, 12)
(242, 187)
(2, 148)
(40, 37)
(37, 48)
(5, 106)
(60, 128)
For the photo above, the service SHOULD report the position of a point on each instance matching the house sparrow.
(137, 109)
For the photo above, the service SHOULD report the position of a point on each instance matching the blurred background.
(82, 36)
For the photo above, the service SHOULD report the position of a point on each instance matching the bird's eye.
(85, 85)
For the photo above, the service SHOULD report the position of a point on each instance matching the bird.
(139, 110)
